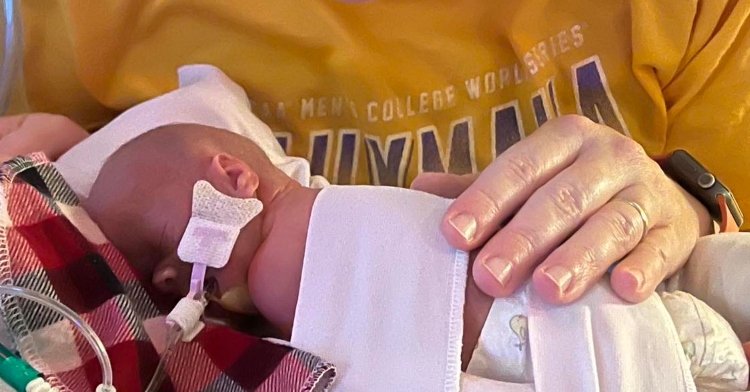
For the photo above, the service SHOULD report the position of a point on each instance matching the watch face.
(681, 167)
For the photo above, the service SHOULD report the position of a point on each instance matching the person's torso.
(380, 91)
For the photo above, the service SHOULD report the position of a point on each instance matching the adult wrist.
(706, 224)
(705, 188)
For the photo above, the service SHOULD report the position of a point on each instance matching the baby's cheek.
(233, 274)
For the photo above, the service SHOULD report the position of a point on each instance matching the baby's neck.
(276, 269)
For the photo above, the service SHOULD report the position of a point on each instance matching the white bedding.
(718, 273)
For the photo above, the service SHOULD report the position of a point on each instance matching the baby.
(142, 202)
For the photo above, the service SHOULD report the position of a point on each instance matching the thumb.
(445, 185)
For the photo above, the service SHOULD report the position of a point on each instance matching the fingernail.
(560, 276)
(637, 277)
(500, 269)
(465, 224)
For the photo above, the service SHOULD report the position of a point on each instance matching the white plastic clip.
(187, 315)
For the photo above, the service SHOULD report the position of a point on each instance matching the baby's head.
(142, 199)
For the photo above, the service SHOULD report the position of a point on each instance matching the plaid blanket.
(48, 244)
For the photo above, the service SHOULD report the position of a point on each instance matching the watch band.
(685, 170)
(727, 224)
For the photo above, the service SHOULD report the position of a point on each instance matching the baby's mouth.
(211, 288)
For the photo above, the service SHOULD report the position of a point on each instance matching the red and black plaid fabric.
(48, 244)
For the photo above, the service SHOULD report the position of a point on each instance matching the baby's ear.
(232, 176)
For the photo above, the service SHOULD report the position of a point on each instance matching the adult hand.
(565, 204)
(38, 132)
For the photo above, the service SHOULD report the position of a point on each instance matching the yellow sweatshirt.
(380, 91)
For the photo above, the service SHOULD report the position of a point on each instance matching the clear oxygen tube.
(174, 335)
(82, 326)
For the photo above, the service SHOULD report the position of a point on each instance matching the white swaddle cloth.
(718, 273)
(382, 292)
(382, 297)
(598, 343)
(715, 357)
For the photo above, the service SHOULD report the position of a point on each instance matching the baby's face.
(148, 224)
(143, 195)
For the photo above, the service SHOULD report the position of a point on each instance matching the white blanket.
(718, 273)
(382, 292)
(378, 298)
(598, 343)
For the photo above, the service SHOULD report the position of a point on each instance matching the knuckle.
(522, 168)
(568, 200)
(523, 240)
(587, 254)
(574, 122)
(488, 202)
(623, 227)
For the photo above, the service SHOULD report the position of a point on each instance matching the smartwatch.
(685, 170)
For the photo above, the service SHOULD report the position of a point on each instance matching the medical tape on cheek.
(210, 236)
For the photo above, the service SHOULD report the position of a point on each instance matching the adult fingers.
(504, 186)
(605, 238)
(655, 258)
(550, 216)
